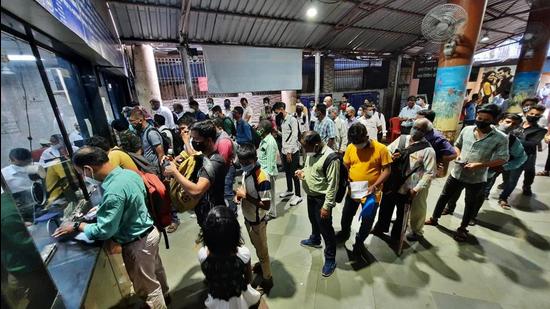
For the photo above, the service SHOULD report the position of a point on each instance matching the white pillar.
(147, 82)
(289, 98)
(317, 76)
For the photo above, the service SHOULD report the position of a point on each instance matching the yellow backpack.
(189, 168)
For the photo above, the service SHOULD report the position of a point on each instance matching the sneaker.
(472, 222)
(342, 236)
(172, 227)
(286, 194)
(328, 268)
(412, 236)
(311, 243)
(295, 200)
(527, 192)
(266, 285)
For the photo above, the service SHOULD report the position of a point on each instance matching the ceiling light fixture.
(21, 58)
(485, 38)
(311, 12)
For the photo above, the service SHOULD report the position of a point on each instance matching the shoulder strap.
(402, 141)
(417, 147)
(328, 160)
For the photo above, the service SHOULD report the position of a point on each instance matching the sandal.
(431, 221)
(543, 173)
(504, 204)
(461, 234)
(172, 227)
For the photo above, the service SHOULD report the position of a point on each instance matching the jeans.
(228, 189)
(547, 165)
(389, 202)
(321, 227)
(529, 169)
(511, 179)
(490, 183)
(290, 168)
(350, 208)
(474, 198)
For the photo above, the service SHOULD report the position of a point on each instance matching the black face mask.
(348, 116)
(198, 146)
(482, 125)
(138, 126)
(533, 119)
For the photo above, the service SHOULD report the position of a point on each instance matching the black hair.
(57, 137)
(209, 99)
(246, 152)
(534, 100)
(89, 155)
(154, 100)
(321, 108)
(120, 125)
(133, 103)
(216, 109)
(98, 141)
(279, 105)
(266, 99)
(427, 113)
(411, 97)
(159, 119)
(226, 101)
(475, 97)
(538, 107)
(238, 109)
(505, 69)
(193, 103)
(178, 106)
(205, 129)
(218, 122)
(312, 137)
(514, 117)
(20, 154)
(244, 100)
(491, 109)
(221, 232)
(186, 119)
(357, 133)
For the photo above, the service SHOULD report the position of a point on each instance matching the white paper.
(82, 237)
(358, 189)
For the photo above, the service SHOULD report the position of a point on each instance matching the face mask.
(91, 179)
(418, 102)
(310, 154)
(482, 124)
(370, 113)
(348, 116)
(359, 113)
(526, 109)
(417, 134)
(506, 128)
(343, 108)
(198, 146)
(532, 119)
(137, 126)
(210, 105)
(248, 168)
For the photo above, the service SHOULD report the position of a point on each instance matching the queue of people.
(341, 152)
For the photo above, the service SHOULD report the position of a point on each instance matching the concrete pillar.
(317, 76)
(186, 71)
(289, 98)
(532, 56)
(147, 81)
(328, 74)
(453, 72)
(396, 82)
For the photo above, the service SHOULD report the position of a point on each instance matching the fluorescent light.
(311, 12)
(485, 38)
(21, 58)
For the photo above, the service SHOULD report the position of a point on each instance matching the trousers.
(321, 227)
(258, 237)
(350, 208)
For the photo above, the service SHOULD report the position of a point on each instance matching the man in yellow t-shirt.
(366, 160)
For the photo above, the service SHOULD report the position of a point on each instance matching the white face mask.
(309, 154)
(360, 113)
(91, 180)
(370, 113)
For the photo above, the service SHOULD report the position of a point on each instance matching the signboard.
(425, 69)
(203, 84)
(84, 20)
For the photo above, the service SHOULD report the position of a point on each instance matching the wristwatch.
(76, 225)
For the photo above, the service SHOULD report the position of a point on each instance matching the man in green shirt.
(267, 158)
(123, 217)
(320, 187)
(228, 125)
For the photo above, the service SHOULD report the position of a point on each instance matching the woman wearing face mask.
(530, 133)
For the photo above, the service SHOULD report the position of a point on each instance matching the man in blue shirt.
(470, 111)
(408, 115)
(123, 217)
(244, 131)
(197, 113)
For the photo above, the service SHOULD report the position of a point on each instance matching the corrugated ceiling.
(347, 25)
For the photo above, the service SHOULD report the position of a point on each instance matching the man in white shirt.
(247, 115)
(76, 136)
(341, 138)
(178, 110)
(408, 114)
(164, 112)
(290, 153)
(350, 116)
(15, 174)
(371, 122)
(56, 150)
(382, 120)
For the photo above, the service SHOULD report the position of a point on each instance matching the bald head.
(423, 124)
(327, 101)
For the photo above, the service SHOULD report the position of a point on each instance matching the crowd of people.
(335, 154)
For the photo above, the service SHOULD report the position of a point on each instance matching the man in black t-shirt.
(211, 178)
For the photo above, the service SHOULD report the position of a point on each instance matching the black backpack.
(400, 165)
(343, 180)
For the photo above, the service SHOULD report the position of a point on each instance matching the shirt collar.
(117, 170)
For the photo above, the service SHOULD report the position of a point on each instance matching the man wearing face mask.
(511, 170)
(350, 116)
(421, 167)
(341, 136)
(227, 109)
(301, 116)
(530, 133)
(290, 153)
(57, 150)
(479, 148)
(243, 133)
(267, 158)
(209, 105)
(197, 113)
(15, 174)
(320, 187)
(324, 125)
(164, 111)
(211, 176)
(373, 124)
(123, 217)
(366, 160)
(151, 140)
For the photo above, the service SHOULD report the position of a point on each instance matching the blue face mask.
(248, 168)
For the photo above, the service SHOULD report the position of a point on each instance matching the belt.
(140, 236)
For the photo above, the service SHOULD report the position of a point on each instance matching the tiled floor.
(506, 265)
